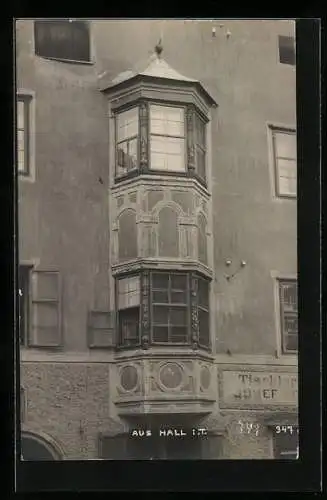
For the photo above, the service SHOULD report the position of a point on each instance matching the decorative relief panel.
(168, 233)
(185, 200)
(154, 196)
(129, 379)
(205, 377)
(127, 235)
(172, 376)
(132, 197)
(145, 309)
(194, 311)
(120, 201)
(144, 118)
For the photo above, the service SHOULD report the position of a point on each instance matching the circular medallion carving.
(171, 375)
(205, 377)
(128, 378)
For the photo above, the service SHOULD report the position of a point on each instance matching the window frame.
(134, 171)
(119, 341)
(171, 306)
(144, 133)
(283, 334)
(273, 130)
(26, 99)
(203, 148)
(146, 296)
(87, 25)
(182, 107)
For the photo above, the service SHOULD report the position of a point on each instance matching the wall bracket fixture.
(228, 263)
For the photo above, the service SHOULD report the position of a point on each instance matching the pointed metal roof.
(156, 67)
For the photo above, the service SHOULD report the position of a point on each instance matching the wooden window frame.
(144, 136)
(281, 282)
(146, 297)
(171, 306)
(120, 341)
(26, 100)
(184, 137)
(281, 130)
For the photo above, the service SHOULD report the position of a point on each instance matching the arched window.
(36, 448)
(168, 233)
(202, 239)
(127, 235)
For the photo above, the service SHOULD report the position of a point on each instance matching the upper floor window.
(285, 162)
(39, 308)
(63, 39)
(165, 311)
(167, 139)
(156, 138)
(286, 46)
(289, 314)
(23, 134)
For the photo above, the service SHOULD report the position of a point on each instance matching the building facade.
(156, 167)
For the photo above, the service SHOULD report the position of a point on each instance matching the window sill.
(161, 173)
(68, 61)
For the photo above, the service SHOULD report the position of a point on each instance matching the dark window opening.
(63, 39)
(289, 315)
(287, 50)
(203, 311)
(128, 299)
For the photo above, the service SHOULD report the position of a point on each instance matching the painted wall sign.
(252, 388)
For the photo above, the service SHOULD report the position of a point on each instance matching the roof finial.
(158, 49)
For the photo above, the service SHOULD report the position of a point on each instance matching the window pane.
(287, 50)
(45, 315)
(203, 293)
(178, 316)
(160, 297)
(45, 285)
(285, 145)
(128, 292)
(132, 154)
(160, 333)
(160, 315)
(167, 154)
(178, 297)
(127, 124)
(178, 334)
(291, 342)
(200, 163)
(20, 140)
(21, 161)
(204, 327)
(160, 281)
(289, 296)
(129, 326)
(166, 121)
(178, 281)
(287, 187)
(287, 168)
(20, 115)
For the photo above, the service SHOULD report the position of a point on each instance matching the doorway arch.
(36, 447)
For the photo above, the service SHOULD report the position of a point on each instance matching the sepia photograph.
(156, 167)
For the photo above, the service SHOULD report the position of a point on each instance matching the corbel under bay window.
(160, 138)
(163, 308)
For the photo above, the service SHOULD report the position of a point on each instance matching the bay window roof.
(156, 68)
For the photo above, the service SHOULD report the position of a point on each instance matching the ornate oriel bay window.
(163, 308)
(155, 137)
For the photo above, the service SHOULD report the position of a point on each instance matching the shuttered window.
(45, 327)
(289, 314)
(101, 328)
(63, 39)
(23, 134)
(284, 147)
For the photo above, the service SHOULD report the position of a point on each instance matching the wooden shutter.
(101, 329)
(289, 314)
(45, 328)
